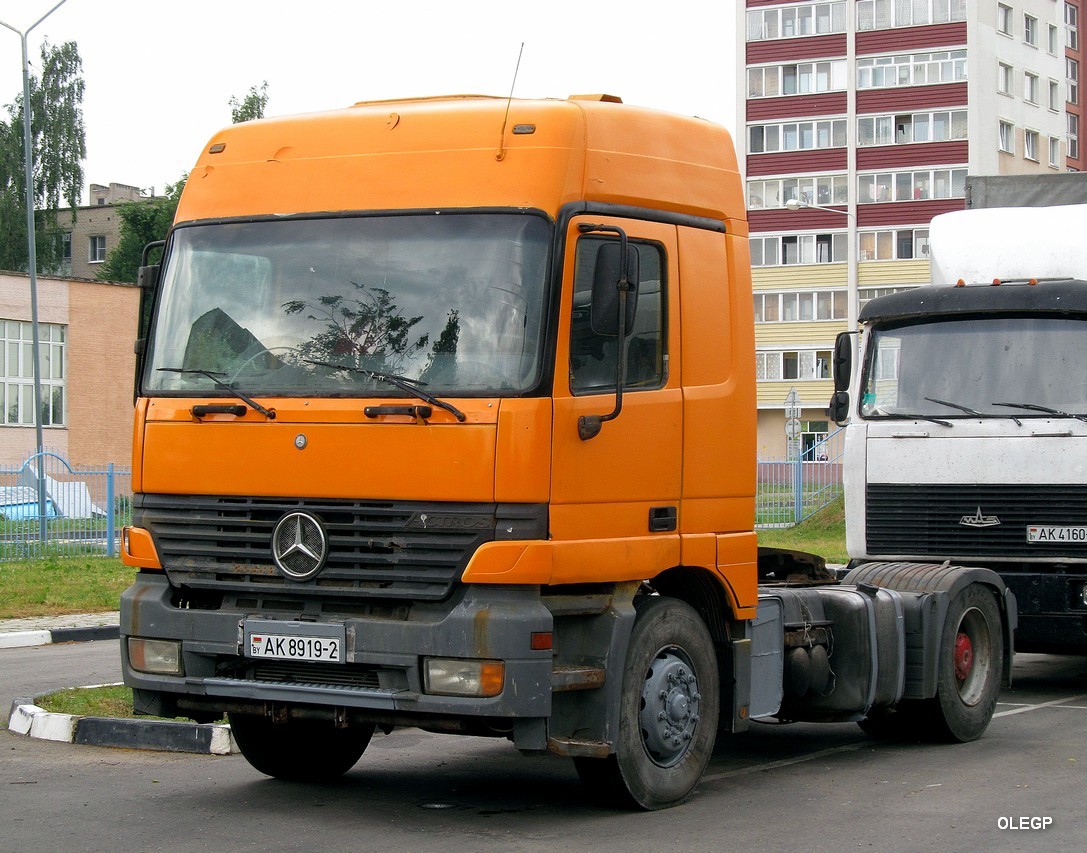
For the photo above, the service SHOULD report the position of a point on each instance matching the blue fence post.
(111, 509)
(798, 489)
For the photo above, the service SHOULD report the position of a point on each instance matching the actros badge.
(299, 546)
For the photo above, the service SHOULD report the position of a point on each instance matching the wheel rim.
(669, 709)
(971, 657)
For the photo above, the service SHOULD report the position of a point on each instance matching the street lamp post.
(850, 257)
(32, 256)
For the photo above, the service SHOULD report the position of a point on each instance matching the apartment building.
(861, 120)
(96, 229)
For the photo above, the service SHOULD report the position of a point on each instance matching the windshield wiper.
(214, 377)
(907, 416)
(1034, 407)
(958, 406)
(411, 386)
(968, 410)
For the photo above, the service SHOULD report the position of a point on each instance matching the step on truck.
(445, 418)
(967, 415)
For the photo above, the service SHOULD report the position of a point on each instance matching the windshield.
(964, 368)
(295, 307)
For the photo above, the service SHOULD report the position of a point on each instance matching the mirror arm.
(589, 426)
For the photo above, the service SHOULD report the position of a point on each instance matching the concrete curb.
(160, 735)
(45, 636)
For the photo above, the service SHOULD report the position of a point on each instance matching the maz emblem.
(979, 520)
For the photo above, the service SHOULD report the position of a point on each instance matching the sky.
(160, 75)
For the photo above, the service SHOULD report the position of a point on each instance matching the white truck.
(966, 404)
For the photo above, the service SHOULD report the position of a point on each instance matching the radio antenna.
(501, 153)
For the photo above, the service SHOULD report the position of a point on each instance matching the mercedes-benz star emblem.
(299, 546)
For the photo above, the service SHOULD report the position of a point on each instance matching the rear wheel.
(299, 750)
(669, 706)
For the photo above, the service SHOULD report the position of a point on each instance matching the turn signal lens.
(456, 677)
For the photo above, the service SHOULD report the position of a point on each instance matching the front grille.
(330, 676)
(409, 551)
(926, 519)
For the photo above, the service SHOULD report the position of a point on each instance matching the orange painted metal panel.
(344, 456)
(522, 468)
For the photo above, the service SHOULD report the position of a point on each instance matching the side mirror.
(842, 361)
(604, 310)
(838, 410)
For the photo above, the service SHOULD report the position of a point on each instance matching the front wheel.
(971, 662)
(669, 707)
(299, 750)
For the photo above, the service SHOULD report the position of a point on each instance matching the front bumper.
(382, 676)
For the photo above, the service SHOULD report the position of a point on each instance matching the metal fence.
(790, 490)
(85, 508)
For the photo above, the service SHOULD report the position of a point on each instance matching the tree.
(58, 140)
(251, 106)
(142, 222)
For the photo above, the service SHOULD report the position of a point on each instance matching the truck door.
(615, 497)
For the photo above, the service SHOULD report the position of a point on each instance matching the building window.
(1073, 136)
(911, 127)
(1030, 88)
(96, 249)
(1030, 30)
(911, 69)
(1004, 19)
(866, 293)
(796, 136)
(884, 14)
(1072, 73)
(1054, 152)
(784, 250)
(17, 370)
(802, 306)
(793, 364)
(911, 186)
(1007, 137)
(1003, 78)
(820, 189)
(811, 19)
(1054, 95)
(1054, 40)
(1030, 145)
(901, 244)
(1071, 26)
(804, 78)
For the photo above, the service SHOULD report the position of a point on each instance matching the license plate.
(1056, 534)
(294, 641)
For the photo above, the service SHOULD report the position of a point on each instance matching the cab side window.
(593, 356)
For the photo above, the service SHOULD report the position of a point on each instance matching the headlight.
(158, 656)
(454, 677)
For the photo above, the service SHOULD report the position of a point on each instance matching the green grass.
(55, 586)
(823, 534)
(107, 701)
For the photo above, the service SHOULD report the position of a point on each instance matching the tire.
(971, 663)
(299, 750)
(668, 712)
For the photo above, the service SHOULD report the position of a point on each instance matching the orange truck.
(445, 418)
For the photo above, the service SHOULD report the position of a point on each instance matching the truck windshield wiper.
(1034, 407)
(909, 416)
(226, 386)
(968, 410)
(958, 406)
(411, 386)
